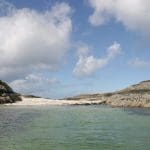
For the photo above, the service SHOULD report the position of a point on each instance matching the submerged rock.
(7, 95)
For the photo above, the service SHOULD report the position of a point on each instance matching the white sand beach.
(42, 101)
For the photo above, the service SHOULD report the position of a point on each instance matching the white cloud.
(133, 14)
(32, 40)
(83, 50)
(139, 63)
(88, 64)
(34, 84)
(6, 7)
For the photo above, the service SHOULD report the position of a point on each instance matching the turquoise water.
(74, 128)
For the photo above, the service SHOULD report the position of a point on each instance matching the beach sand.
(42, 101)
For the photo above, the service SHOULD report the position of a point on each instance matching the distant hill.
(137, 95)
(140, 88)
(7, 95)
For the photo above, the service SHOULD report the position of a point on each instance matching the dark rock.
(7, 95)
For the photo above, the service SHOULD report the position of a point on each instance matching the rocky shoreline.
(134, 96)
(7, 95)
(119, 101)
(116, 102)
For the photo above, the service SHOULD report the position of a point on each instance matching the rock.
(7, 95)
(137, 95)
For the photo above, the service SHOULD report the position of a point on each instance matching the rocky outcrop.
(134, 96)
(7, 95)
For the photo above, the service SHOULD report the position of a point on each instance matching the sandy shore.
(114, 103)
(41, 101)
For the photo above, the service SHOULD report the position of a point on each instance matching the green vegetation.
(108, 94)
(31, 96)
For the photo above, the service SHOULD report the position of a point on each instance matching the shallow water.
(74, 128)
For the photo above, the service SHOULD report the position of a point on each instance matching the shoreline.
(51, 102)
(137, 95)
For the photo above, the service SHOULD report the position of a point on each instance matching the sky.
(61, 48)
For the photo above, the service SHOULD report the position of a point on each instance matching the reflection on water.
(138, 111)
(74, 127)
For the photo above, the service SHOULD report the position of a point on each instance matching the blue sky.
(62, 48)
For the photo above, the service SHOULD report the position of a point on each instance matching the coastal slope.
(137, 95)
(7, 95)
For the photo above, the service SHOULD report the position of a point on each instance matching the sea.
(90, 127)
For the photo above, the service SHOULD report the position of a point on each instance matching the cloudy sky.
(58, 48)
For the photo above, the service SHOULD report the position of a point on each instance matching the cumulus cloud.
(83, 50)
(32, 41)
(139, 63)
(6, 7)
(133, 14)
(34, 84)
(88, 64)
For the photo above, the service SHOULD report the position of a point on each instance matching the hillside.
(137, 95)
(7, 95)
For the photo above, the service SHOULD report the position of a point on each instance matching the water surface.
(74, 128)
